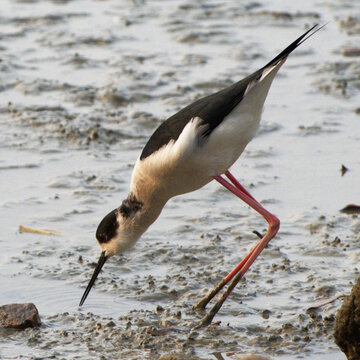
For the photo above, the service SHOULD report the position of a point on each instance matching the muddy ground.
(83, 84)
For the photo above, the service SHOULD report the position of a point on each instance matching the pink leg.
(272, 220)
(232, 178)
(239, 271)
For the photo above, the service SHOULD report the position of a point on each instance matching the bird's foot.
(206, 299)
(200, 306)
(205, 321)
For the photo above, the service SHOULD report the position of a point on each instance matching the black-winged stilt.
(193, 147)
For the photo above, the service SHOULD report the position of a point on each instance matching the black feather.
(107, 227)
(130, 206)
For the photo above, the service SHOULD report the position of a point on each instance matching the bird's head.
(117, 232)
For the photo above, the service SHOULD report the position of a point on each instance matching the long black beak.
(100, 264)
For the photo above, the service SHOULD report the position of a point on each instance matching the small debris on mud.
(40, 231)
(351, 51)
(343, 170)
(324, 302)
(351, 209)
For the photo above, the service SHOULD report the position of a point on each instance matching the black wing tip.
(313, 30)
(285, 53)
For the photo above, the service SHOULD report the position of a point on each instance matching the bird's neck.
(151, 192)
(148, 206)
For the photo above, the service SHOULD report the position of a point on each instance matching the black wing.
(212, 109)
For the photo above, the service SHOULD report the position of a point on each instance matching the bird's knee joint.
(275, 224)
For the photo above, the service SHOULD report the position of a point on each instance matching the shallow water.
(83, 84)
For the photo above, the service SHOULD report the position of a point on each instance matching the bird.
(190, 149)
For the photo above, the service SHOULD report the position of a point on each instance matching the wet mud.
(83, 84)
